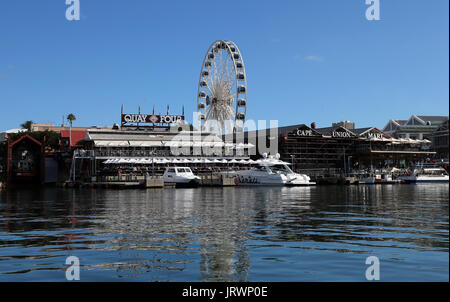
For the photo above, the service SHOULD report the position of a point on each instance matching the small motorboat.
(180, 177)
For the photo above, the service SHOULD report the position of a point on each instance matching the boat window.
(171, 170)
(260, 168)
(282, 169)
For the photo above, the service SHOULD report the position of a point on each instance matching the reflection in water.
(225, 234)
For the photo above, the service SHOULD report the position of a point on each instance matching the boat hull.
(183, 184)
(419, 180)
(300, 184)
(247, 179)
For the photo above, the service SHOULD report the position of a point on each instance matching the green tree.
(27, 125)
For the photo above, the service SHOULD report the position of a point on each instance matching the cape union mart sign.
(151, 118)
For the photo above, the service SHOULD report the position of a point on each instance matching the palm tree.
(27, 125)
(70, 117)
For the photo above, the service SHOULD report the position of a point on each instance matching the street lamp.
(292, 158)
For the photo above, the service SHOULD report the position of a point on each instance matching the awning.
(102, 143)
(179, 144)
(146, 143)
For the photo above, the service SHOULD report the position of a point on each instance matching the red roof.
(77, 135)
(25, 137)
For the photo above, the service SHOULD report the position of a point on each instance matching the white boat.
(271, 171)
(180, 177)
(426, 175)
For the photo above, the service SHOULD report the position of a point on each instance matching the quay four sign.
(151, 118)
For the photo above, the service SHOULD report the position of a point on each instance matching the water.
(322, 233)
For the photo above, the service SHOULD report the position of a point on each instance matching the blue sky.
(306, 60)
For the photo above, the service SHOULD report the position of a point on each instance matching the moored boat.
(425, 175)
(272, 171)
(180, 177)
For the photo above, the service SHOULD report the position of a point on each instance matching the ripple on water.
(226, 234)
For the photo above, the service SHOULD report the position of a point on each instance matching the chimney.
(313, 125)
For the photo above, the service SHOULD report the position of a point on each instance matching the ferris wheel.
(222, 89)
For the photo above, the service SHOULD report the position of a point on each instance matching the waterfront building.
(104, 152)
(70, 138)
(346, 124)
(338, 149)
(416, 127)
(25, 161)
(439, 140)
(148, 143)
(53, 127)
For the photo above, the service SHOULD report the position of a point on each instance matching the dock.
(144, 182)
(217, 181)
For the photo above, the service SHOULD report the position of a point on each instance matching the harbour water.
(322, 233)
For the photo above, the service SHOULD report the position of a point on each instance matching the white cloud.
(300, 57)
(314, 58)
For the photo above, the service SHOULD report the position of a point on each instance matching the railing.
(141, 153)
(401, 148)
(83, 153)
(322, 172)
(121, 178)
